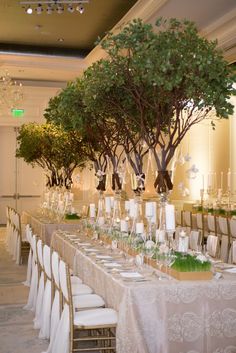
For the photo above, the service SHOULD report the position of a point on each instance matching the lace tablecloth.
(162, 316)
(43, 228)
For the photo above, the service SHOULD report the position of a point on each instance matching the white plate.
(112, 264)
(131, 275)
(104, 257)
(90, 250)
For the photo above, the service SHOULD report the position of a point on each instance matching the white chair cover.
(55, 314)
(232, 224)
(211, 223)
(61, 341)
(39, 301)
(32, 298)
(47, 299)
(224, 246)
(212, 242)
(194, 240)
(29, 236)
(234, 252)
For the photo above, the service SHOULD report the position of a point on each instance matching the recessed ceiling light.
(70, 8)
(29, 10)
(80, 8)
(39, 9)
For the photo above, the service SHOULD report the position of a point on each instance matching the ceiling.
(31, 49)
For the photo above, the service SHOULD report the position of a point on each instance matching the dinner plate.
(111, 264)
(104, 257)
(131, 275)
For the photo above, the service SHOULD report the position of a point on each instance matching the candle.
(132, 208)
(108, 204)
(139, 228)
(127, 206)
(221, 180)
(183, 242)
(149, 209)
(229, 179)
(160, 236)
(71, 196)
(170, 217)
(112, 201)
(92, 210)
(154, 216)
(123, 226)
(101, 221)
(209, 181)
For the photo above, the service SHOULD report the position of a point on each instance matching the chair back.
(63, 277)
(194, 240)
(232, 225)
(39, 247)
(211, 222)
(55, 268)
(212, 245)
(187, 219)
(47, 260)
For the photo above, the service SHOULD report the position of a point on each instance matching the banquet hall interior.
(130, 245)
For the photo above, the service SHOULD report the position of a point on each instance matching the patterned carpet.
(16, 324)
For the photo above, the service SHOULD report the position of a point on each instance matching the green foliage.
(56, 151)
(157, 85)
(189, 263)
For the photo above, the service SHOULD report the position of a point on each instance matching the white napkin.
(90, 250)
(131, 275)
(230, 270)
(84, 244)
(112, 264)
(104, 257)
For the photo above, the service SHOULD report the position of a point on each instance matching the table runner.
(162, 316)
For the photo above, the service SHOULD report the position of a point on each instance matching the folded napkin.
(230, 270)
(131, 275)
(104, 257)
(111, 264)
(84, 244)
(90, 250)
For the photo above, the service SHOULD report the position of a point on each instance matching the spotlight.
(80, 8)
(60, 9)
(39, 9)
(49, 9)
(70, 9)
(29, 10)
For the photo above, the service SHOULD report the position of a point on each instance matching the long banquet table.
(44, 227)
(161, 316)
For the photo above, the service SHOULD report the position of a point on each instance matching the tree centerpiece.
(158, 84)
(51, 148)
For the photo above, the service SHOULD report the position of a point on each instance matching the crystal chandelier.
(53, 6)
(11, 93)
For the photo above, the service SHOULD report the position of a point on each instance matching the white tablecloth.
(162, 316)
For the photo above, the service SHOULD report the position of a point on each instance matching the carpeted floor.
(16, 324)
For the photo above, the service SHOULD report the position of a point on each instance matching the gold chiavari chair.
(89, 330)
(225, 240)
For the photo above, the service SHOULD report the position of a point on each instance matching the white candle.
(209, 181)
(108, 204)
(160, 236)
(149, 209)
(170, 217)
(183, 242)
(112, 201)
(139, 228)
(221, 180)
(101, 221)
(92, 210)
(127, 206)
(229, 179)
(132, 208)
(154, 216)
(123, 226)
(71, 196)
(72, 210)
